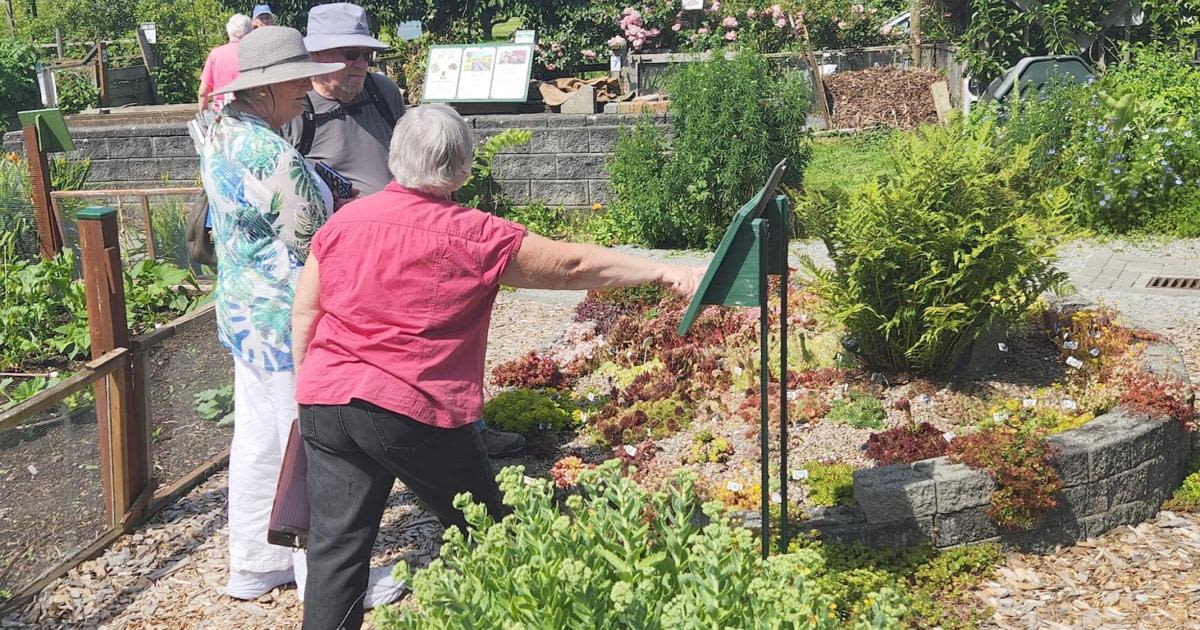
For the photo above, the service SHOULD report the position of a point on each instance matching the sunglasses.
(353, 54)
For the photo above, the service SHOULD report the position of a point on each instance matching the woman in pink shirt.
(390, 324)
(221, 67)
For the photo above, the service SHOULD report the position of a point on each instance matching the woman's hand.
(682, 280)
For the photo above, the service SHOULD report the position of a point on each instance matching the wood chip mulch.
(882, 97)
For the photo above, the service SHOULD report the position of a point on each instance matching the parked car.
(1034, 73)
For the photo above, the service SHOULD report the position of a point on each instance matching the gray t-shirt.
(355, 145)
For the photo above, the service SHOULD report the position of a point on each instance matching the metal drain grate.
(1167, 282)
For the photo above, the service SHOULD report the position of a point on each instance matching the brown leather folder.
(288, 526)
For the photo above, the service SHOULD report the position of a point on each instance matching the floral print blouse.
(265, 204)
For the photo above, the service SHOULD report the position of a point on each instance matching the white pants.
(264, 405)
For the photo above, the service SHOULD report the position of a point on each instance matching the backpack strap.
(377, 99)
(308, 127)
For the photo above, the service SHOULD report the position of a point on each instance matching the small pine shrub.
(1018, 460)
(906, 444)
(857, 410)
(525, 411)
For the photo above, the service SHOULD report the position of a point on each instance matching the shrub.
(952, 245)
(18, 87)
(1018, 460)
(1187, 497)
(481, 190)
(619, 557)
(75, 92)
(1147, 394)
(857, 410)
(532, 371)
(725, 139)
(906, 444)
(525, 411)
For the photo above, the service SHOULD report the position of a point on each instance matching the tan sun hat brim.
(279, 73)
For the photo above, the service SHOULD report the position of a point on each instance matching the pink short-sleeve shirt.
(220, 68)
(407, 284)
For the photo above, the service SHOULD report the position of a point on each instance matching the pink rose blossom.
(716, 6)
(751, 13)
(729, 22)
(730, 36)
(588, 54)
(551, 67)
(638, 43)
(856, 9)
(676, 26)
(781, 22)
(776, 11)
(703, 30)
(842, 25)
(616, 42)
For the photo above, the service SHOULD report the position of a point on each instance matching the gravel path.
(167, 574)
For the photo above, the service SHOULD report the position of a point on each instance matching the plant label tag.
(737, 370)
(409, 30)
(1000, 416)
(1094, 352)
(793, 394)
(1071, 345)
(33, 471)
(799, 475)
(1002, 346)
(591, 396)
(524, 36)
(1030, 403)
(630, 451)
(1070, 405)
(614, 63)
(949, 436)
(924, 399)
(1075, 363)
(776, 498)
(733, 486)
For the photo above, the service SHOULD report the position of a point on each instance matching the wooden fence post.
(102, 71)
(50, 239)
(124, 448)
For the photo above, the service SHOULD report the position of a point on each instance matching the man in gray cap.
(348, 120)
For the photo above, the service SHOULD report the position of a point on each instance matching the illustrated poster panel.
(445, 65)
(510, 81)
(475, 80)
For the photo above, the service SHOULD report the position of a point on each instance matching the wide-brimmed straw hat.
(274, 54)
(339, 25)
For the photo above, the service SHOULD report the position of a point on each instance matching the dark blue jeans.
(355, 452)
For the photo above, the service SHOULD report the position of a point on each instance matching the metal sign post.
(753, 248)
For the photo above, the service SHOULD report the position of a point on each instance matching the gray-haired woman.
(390, 327)
(265, 203)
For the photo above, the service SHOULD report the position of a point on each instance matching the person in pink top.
(221, 67)
(390, 326)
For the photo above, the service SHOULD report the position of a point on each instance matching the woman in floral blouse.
(266, 202)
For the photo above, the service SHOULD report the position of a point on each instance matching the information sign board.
(478, 73)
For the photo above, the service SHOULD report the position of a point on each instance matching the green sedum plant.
(618, 556)
(858, 410)
(952, 244)
(525, 411)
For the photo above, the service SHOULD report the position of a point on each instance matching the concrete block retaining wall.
(562, 165)
(1116, 470)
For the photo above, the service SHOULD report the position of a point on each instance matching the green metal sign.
(754, 247)
(51, 129)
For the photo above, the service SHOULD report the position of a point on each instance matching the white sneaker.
(250, 585)
(382, 588)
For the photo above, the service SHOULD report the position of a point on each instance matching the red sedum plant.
(531, 371)
(1145, 393)
(1018, 460)
(906, 444)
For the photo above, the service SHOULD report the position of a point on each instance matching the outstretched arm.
(306, 310)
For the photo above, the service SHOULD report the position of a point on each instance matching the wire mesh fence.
(52, 506)
(189, 395)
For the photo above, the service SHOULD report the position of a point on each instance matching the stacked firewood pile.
(882, 97)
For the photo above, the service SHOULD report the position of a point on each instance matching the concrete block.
(121, 148)
(556, 141)
(1071, 457)
(482, 136)
(1079, 502)
(107, 171)
(509, 121)
(581, 166)
(965, 526)
(1110, 441)
(956, 486)
(582, 101)
(520, 166)
(174, 146)
(599, 191)
(91, 148)
(899, 534)
(555, 193)
(1046, 539)
(1130, 513)
(516, 190)
(894, 493)
(603, 139)
(568, 119)
(1163, 359)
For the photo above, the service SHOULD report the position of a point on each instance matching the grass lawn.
(504, 30)
(846, 160)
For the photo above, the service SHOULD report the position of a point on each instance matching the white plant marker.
(1030, 403)
(1094, 352)
(733, 486)
(1002, 346)
(1071, 345)
(630, 451)
(1070, 405)
(1075, 363)
(948, 436)
(799, 475)
(776, 498)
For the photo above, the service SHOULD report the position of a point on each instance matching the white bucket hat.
(274, 54)
(339, 25)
